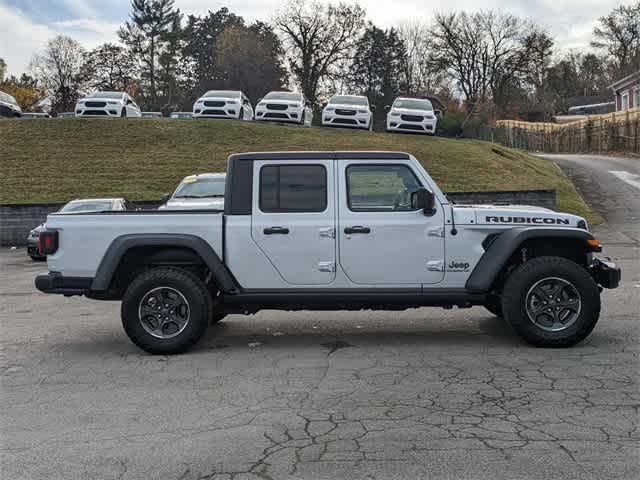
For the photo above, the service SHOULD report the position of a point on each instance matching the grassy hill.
(56, 160)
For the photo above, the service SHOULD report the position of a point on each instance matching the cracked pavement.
(425, 393)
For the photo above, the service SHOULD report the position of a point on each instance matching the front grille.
(277, 115)
(213, 112)
(411, 118)
(340, 111)
(408, 126)
(214, 104)
(276, 106)
(95, 112)
(95, 104)
(346, 121)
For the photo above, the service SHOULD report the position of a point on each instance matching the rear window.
(293, 188)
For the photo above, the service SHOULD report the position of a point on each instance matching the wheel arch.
(503, 251)
(127, 252)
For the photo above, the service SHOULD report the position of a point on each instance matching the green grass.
(56, 160)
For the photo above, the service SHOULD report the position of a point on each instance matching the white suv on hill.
(107, 104)
(288, 107)
(347, 111)
(411, 115)
(223, 104)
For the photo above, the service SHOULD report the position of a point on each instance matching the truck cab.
(330, 230)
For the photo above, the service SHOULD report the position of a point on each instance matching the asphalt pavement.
(426, 393)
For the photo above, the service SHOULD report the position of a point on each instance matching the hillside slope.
(56, 160)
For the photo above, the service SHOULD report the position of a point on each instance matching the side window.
(380, 188)
(293, 188)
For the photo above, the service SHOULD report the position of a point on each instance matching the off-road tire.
(123, 113)
(193, 290)
(493, 304)
(524, 277)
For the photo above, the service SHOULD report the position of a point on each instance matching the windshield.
(5, 97)
(222, 94)
(105, 95)
(296, 97)
(349, 100)
(87, 206)
(200, 188)
(413, 103)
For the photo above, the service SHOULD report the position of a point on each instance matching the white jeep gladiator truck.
(329, 230)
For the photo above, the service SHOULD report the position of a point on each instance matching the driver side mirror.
(129, 102)
(423, 199)
(165, 197)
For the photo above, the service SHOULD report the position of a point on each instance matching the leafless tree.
(618, 33)
(317, 38)
(421, 71)
(59, 69)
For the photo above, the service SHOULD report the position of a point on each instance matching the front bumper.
(211, 112)
(110, 111)
(291, 115)
(54, 282)
(397, 124)
(605, 273)
(332, 119)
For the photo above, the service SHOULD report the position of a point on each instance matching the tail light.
(48, 242)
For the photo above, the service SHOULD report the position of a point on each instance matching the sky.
(26, 25)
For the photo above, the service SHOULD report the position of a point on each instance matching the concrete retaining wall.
(17, 219)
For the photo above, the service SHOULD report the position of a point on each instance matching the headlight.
(232, 102)
(112, 102)
(329, 109)
(363, 111)
(34, 233)
(200, 101)
(395, 114)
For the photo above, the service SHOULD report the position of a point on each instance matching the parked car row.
(351, 111)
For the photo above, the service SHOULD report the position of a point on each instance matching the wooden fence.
(613, 132)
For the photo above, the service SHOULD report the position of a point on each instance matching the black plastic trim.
(226, 282)
(54, 282)
(360, 296)
(501, 249)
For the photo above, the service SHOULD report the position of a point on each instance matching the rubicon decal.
(544, 220)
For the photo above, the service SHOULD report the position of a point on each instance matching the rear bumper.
(605, 273)
(54, 282)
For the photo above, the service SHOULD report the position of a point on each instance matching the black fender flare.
(497, 255)
(120, 245)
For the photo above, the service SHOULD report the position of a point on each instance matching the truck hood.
(516, 215)
(346, 106)
(215, 203)
(411, 111)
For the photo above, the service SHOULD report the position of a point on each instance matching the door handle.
(276, 231)
(357, 229)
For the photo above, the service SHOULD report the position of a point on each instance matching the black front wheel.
(166, 310)
(123, 113)
(551, 302)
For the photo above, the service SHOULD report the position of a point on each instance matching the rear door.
(383, 239)
(293, 220)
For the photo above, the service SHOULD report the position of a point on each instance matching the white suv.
(223, 104)
(411, 115)
(107, 104)
(348, 111)
(8, 106)
(284, 107)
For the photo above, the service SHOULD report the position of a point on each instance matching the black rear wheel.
(551, 302)
(166, 310)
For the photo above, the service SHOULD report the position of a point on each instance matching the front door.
(383, 239)
(294, 219)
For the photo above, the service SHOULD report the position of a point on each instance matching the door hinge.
(435, 266)
(329, 232)
(436, 232)
(327, 266)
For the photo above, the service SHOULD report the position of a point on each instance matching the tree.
(317, 38)
(249, 59)
(25, 90)
(421, 73)
(110, 67)
(379, 57)
(3, 69)
(618, 34)
(200, 36)
(59, 69)
(146, 36)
